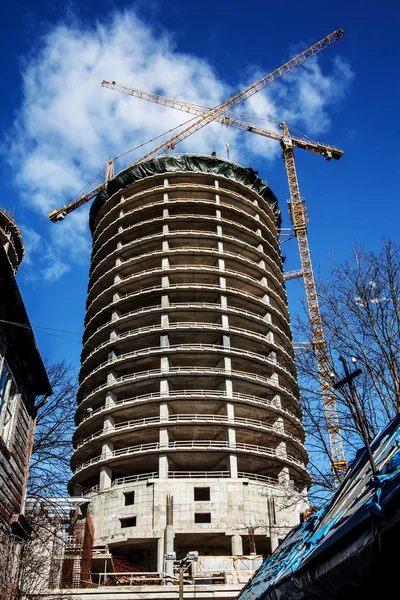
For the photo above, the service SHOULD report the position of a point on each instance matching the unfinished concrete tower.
(188, 433)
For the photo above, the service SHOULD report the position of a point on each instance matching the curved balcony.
(188, 269)
(129, 267)
(101, 337)
(108, 218)
(119, 430)
(187, 349)
(152, 243)
(126, 381)
(209, 396)
(93, 321)
(114, 457)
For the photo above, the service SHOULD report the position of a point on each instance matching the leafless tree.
(360, 306)
(28, 564)
(52, 448)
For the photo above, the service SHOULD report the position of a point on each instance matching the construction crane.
(209, 116)
(298, 216)
(328, 152)
(296, 206)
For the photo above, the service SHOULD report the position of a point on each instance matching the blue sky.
(59, 126)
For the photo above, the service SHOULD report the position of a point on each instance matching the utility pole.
(349, 380)
(190, 557)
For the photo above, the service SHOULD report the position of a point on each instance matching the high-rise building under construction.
(189, 433)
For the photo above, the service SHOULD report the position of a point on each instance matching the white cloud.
(68, 126)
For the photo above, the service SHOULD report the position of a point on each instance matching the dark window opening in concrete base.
(129, 498)
(202, 517)
(201, 494)
(129, 522)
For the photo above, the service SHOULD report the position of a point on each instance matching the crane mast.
(298, 215)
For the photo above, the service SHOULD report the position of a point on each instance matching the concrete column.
(227, 364)
(165, 281)
(222, 283)
(110, 399)
(116, 297)
(224, 303)
(279, 425)
(233, 470)
(169, 547)
(164, 364)
(232, 437)
(226, 341)
(284, 476)
(281, 449)
(274, 378)
(221, 264)
(107, 449)
(165, 263)
(230, 411)
(112, 355)
(164, 387)
(163, 466)
(105, 480)
(164, 321)
(164, 301)
(163, 437)
(218, 214)
(111, 377)
(164, 412)
(164, 341)
(236, 545)
(166, 184)
(277, 400)
(115, 315)
(108, 423)
(165, 245)
(224, 318)
(160, 555)
(113, 335)
(228, 388)
(273, 536)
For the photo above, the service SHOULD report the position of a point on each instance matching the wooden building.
(23, 383)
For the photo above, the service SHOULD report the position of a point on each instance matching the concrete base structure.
(188, 427)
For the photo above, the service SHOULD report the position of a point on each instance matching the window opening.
(129, 522)
(202, 494)
(129, 498)
(202, 517)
